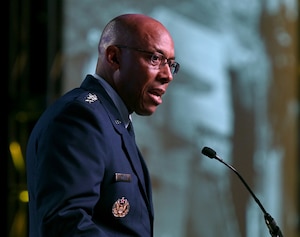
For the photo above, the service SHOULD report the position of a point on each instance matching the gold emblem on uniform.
(121, 207)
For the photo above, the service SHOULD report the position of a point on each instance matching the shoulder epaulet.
(90, 98)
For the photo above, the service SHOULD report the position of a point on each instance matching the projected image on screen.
(224, 97)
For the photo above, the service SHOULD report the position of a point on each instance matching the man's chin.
(146, 111)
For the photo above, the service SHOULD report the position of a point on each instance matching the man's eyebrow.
(161, 52)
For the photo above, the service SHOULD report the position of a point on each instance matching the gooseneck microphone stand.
(274, 230)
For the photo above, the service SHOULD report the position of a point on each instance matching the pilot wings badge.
(121, 207)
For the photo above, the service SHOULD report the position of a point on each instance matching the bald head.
(130, 29)
(135, 56)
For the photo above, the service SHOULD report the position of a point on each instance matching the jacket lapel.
(133, 154)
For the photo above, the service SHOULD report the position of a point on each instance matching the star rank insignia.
(121, 207)
(90, 98)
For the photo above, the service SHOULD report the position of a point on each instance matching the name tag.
(120, 177)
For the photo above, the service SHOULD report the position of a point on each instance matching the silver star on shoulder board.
(91, 98)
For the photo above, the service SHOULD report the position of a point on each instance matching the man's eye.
(155, 58)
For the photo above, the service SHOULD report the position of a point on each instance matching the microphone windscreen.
(209, 152)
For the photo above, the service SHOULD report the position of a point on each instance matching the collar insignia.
(117, 121)
(121, 207)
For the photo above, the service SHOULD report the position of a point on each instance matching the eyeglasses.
(157, 59)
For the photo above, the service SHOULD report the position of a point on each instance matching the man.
(85, 174)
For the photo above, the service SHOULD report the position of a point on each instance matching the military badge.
(121, 207)
(117, 121)
(91, 98)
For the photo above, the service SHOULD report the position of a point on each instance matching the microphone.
(274, 230)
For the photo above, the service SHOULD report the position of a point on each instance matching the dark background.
(32, 42)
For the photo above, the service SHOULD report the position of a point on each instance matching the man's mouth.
(156, 95)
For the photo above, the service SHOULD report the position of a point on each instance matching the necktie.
(139, 162)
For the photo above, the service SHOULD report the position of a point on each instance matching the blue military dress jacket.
(85, 174)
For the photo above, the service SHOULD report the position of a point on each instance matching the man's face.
(139, 82)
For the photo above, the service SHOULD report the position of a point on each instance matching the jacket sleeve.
(70, 170)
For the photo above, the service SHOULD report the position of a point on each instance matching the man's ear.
(112, 56)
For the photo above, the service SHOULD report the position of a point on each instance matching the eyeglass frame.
(163, 59)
